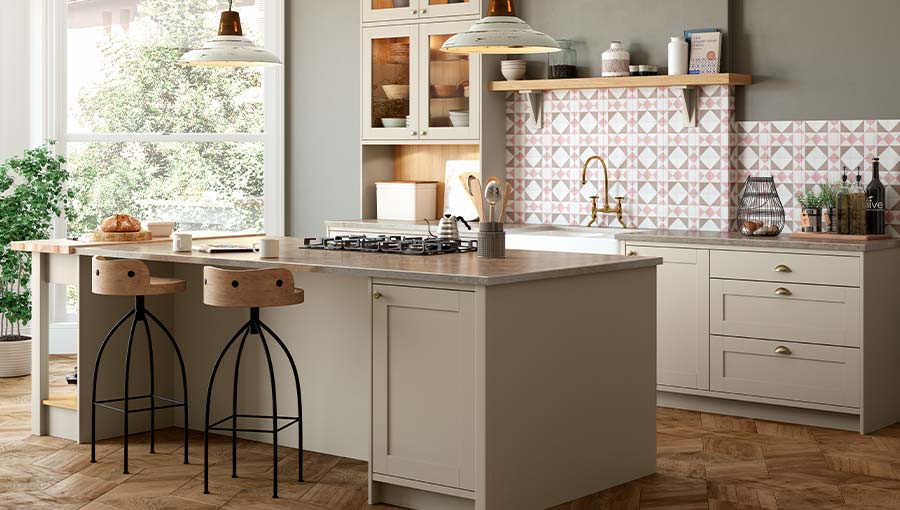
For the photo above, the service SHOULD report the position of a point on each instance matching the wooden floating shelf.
(684, 80)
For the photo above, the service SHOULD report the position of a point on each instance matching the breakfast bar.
(516, 383)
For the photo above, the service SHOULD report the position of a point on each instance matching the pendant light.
(230, 48)
(501, 33)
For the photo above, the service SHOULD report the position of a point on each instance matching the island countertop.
(466, 269)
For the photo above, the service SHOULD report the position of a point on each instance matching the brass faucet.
(606, 209)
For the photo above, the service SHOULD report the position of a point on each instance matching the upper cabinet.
(414, 92)
(412, 10)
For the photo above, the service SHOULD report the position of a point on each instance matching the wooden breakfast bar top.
(464, 269)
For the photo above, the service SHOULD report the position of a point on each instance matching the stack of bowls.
(513, 69)
(459, 118)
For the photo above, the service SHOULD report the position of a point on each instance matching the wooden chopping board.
(120, 237)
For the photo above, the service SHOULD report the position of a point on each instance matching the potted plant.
(810, 214)
(827, 203)
(32, 193)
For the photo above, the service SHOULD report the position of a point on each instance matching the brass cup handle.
(632, 253)
(376, 295)
(781, 291)
(782, 350)
(781, 268)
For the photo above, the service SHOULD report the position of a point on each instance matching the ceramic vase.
(616, 61)
(678, 56)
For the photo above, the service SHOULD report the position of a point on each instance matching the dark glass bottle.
(875, 202)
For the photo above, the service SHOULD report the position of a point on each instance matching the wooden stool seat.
(122, 277)
(252, 288)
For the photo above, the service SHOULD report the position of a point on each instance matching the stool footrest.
(291, 420)
(169, 403)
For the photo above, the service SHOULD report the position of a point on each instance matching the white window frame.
(51, 122)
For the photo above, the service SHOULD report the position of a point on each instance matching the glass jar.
(563, 64)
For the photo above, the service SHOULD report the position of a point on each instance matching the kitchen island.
(465, 383)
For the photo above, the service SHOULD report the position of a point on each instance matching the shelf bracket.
(690, 102)
(535, 101)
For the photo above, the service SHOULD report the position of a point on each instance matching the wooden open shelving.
(684, 80)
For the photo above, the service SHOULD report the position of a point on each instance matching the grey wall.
(817, 59)
(643, 26)
(323, 113)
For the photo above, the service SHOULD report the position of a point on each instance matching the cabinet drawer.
(781, 311)
(785, 267)
(800, 372)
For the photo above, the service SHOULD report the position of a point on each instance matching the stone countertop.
(783, 241)
(395, 226)
(466, 269)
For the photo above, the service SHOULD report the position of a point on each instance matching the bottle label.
(873, 204)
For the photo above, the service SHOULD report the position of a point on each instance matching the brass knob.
(632, 254)
(376, 295)
(782, 350)
(413, 133)
(781, 268)
(424, 11)
(781, 291)
(424, 133)
(414, 11)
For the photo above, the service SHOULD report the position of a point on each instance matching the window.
(145, 136)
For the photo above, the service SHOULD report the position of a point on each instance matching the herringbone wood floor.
(705, 461)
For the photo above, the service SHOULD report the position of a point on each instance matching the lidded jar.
(616, 61)
(563, 64)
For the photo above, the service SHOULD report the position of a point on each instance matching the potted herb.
(810, 214)
(32, 193)
(827, 203)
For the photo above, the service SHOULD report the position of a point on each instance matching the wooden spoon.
(506, 195)
(477, 194)
(468, 183)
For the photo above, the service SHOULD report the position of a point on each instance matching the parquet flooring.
(704, 461)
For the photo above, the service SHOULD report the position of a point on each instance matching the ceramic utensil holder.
(491, 240)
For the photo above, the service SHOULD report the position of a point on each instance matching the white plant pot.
(15, 358)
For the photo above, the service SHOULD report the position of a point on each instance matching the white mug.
(182, 242)
(267, 248)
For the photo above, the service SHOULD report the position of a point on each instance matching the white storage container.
(407, 200)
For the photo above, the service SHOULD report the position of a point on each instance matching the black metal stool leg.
(142, 313)
(262, 340)
(212, 379)
(299, 400)
(94, 383)
(125, 403)
(237, 369)
(184, 386)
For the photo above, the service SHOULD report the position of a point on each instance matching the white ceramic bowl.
(396, 91)
(161, 228)
(393, 123)
(513, 74)
(459, 118)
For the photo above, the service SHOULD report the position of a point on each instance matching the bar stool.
(132, 278)
(253, 289)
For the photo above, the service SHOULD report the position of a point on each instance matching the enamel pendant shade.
(501, 33)
(230, 48)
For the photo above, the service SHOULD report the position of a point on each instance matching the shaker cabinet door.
(390, 83)
(423, 388)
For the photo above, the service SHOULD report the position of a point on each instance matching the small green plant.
(32, 193)
(809, 199)
(828, 196)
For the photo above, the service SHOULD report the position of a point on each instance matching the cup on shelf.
(267, 248)
(182, 242)
(513, 70)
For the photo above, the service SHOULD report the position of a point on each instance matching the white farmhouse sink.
(566, 239)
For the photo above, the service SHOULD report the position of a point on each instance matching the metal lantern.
(761, 212)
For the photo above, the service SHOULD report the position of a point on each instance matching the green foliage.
(828, 196)
(32, 193)
(142, 90)
(809, 199)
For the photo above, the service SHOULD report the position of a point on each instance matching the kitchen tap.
(606, 209)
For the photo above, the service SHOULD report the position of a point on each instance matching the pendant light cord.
(230, 4)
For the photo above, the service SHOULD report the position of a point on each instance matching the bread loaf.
(121, 223)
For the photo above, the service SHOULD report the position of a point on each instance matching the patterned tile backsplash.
(672, 176)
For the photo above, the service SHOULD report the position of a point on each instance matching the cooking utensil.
(506, 194)
(477, 194)
(492, 195)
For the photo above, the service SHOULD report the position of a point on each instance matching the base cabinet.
(423, 416)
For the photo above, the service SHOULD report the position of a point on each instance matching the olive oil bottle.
(842, 205)
(875, 202)
(858, 206)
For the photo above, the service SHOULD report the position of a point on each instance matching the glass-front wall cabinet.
(413, 90)
(450, 105)
(396, 10)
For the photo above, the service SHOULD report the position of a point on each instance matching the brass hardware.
(781, 291)
(230, 22)
(414, 11)
(424, 11)
(782, 350)
(376, 295)
(502, 8)
(632, 254)
(606, 209)
(414, 133)
(781, 268)
(424, 133)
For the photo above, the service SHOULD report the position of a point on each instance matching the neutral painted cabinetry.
(799, 330)
(682, 320)
(410, 87)
(423, 416)
(412, 10)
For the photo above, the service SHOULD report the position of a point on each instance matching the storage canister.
(406, 200)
